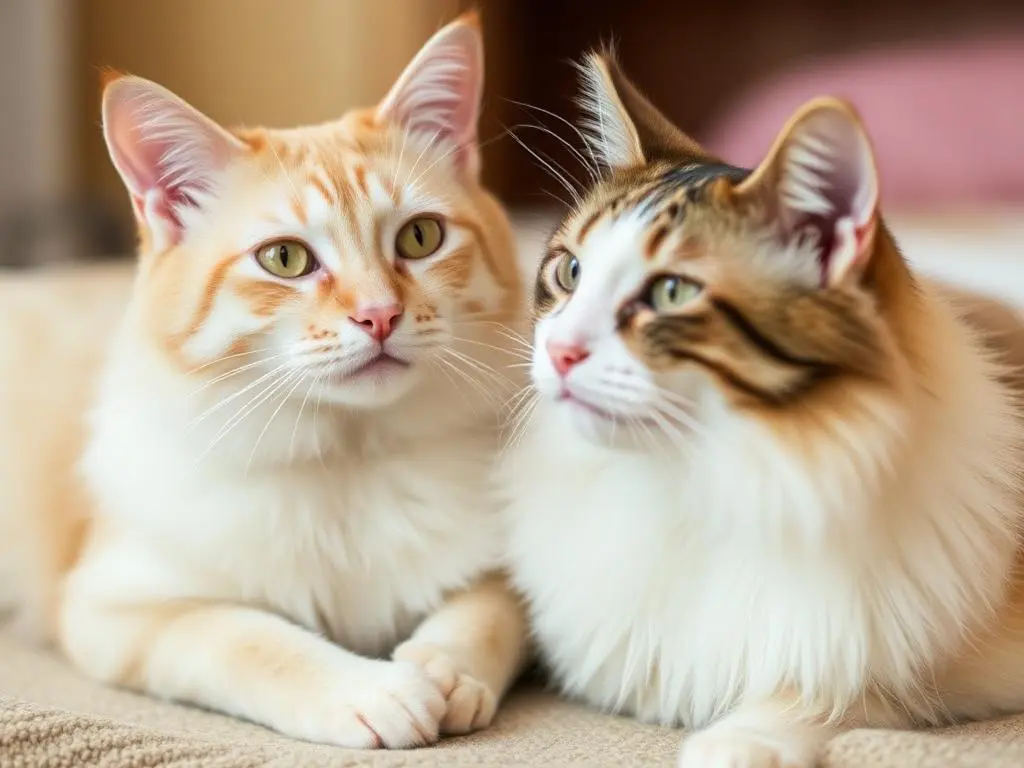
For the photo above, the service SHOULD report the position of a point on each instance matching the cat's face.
(343, 259)
(682, 287)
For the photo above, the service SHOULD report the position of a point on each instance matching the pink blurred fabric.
(947, 121)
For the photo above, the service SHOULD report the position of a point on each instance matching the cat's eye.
(419, 238)
(286, 258)
(567, 273)
(671, 292)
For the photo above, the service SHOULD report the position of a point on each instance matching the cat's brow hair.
(765, 343)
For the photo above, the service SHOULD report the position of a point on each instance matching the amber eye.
(419, 238)
(286, 258)
(671, 292)
(567, 273)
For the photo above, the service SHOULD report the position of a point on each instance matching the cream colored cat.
(772, 485)
(291, 416)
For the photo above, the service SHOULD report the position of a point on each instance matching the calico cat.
(291, 413)
(771, 484)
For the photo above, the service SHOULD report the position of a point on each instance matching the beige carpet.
(52, 718)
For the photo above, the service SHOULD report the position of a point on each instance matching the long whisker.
(419, 157)
(504, 350)
(298, 416)
(522, 421)
(239, 416)
(486, 394)
(284, 172)
(577, 199)
(237, 394)
(447, 364)
(515, 401)
(316, 418)
(226, 357)
(298, 376)
(538, 154)
(593, 175)
(235, 371)
(577, 131)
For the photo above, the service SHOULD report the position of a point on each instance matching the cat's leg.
(473, 647)
(254, 665)
(771, 734)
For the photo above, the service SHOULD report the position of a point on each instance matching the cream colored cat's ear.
(437, 97)
(819, 181)
(167, 153)
(622, 127)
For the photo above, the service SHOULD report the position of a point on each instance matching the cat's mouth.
(575, 401)
(382, 364)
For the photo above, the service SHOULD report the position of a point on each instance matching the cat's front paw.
(733, 748)
(469, 703)
(391, 705)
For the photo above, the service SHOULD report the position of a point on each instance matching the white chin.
(599, 429)
(379, 386)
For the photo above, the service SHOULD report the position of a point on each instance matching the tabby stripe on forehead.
(588, 224)
(177, 341)
(738, 321)
(326, 193)
(360, 173)
(655, 241)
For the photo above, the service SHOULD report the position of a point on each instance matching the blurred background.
(940, 83)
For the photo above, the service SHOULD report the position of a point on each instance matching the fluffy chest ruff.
(354, 527)
(675, 587)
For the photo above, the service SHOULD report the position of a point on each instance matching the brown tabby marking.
(766, 342)
(263, 297)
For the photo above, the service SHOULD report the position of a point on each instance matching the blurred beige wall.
(274, 62)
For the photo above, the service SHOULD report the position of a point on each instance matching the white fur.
(684, 579)
(609, 134)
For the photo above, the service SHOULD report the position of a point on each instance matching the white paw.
(469, 703)
(729, 748)
(388, 704)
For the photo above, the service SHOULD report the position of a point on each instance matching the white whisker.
(298, 376)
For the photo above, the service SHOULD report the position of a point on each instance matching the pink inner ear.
(829, 188)
(438, 95)
(166, 152)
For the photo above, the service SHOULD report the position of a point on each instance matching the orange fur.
(184, 335)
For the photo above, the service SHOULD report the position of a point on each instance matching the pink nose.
(565, 356)
(378, 320)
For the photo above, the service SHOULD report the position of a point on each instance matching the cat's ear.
(819, 181)
(438, 95)
(622, 127)
(167, 153)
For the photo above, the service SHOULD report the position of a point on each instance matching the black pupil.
(283, 255)
(574, 269)
(417, 232)
(672, 289)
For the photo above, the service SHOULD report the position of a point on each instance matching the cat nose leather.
(378, 320)
(565, 356)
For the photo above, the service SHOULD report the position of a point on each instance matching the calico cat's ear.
(167, 152)
(819, 180)
(438, 94)
(622, 126)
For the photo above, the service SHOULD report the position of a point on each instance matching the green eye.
(567, 273)
(286, 258)
(419, 238)
(669, 293)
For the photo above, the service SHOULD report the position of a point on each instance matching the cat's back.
(57, 324)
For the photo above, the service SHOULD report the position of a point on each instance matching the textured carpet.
(51, 717)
